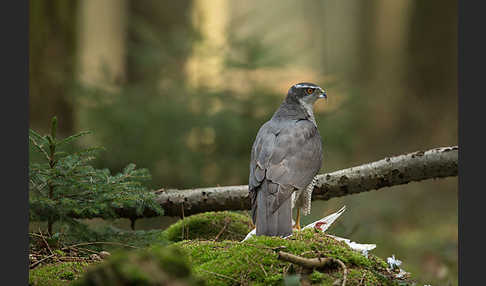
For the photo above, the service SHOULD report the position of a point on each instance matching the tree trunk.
(102, 32)
(205, 67)
(52, 37)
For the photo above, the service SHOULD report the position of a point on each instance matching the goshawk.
(285, 158)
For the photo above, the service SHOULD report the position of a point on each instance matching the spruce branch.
(63, 185)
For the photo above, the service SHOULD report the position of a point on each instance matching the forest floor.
(204, 249)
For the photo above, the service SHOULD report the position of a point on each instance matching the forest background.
(182, 87)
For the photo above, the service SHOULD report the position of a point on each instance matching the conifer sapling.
(63, 186)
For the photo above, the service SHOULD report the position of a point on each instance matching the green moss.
(317, 277)
(139, 238)
(275, 279)
(156, 265)
(56, 274)
(61, 273)
(226, 262)
(207, 226)
(255, 261)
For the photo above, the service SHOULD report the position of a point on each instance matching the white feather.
(325, 223)
(363, 248)
(328, 220)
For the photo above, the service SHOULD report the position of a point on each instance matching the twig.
(100, 242)
(43, 239)
(345, 271)
(304, 262)
(220, 275)
(362, 279)
(247, 259)
(33, 265)
(83, 249)
(286, 269)
(226, 222)
(263, 269)
(71, 258)
(313, 262)
(35, 234)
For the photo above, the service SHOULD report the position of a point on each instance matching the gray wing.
(288, 154)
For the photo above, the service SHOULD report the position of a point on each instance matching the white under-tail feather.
(323, 224)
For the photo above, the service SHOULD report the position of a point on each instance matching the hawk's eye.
(309, 91)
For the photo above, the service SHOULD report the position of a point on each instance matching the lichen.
(210, 225)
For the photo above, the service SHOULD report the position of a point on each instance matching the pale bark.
(435, 163)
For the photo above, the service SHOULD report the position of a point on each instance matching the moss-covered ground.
(214, 254)
(153, 266)
(55, 274)
(256, 262)
(210, 225)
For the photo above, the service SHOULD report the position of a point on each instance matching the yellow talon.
(297, 220)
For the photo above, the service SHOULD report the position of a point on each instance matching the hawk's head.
(305, 93)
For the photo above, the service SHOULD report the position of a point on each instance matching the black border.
(471, 78)
(14, 138)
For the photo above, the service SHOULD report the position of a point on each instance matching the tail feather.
(272, 222)
(253, 197)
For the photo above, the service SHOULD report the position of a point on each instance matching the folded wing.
(289, 156)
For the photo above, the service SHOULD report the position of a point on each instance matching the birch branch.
(413, 167)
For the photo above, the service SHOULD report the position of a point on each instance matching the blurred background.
(182, 87)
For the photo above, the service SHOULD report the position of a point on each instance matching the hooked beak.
(323, 94)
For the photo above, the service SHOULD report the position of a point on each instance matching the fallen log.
(398, 170)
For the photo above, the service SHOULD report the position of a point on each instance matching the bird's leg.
(252, 225)
(297, 220)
